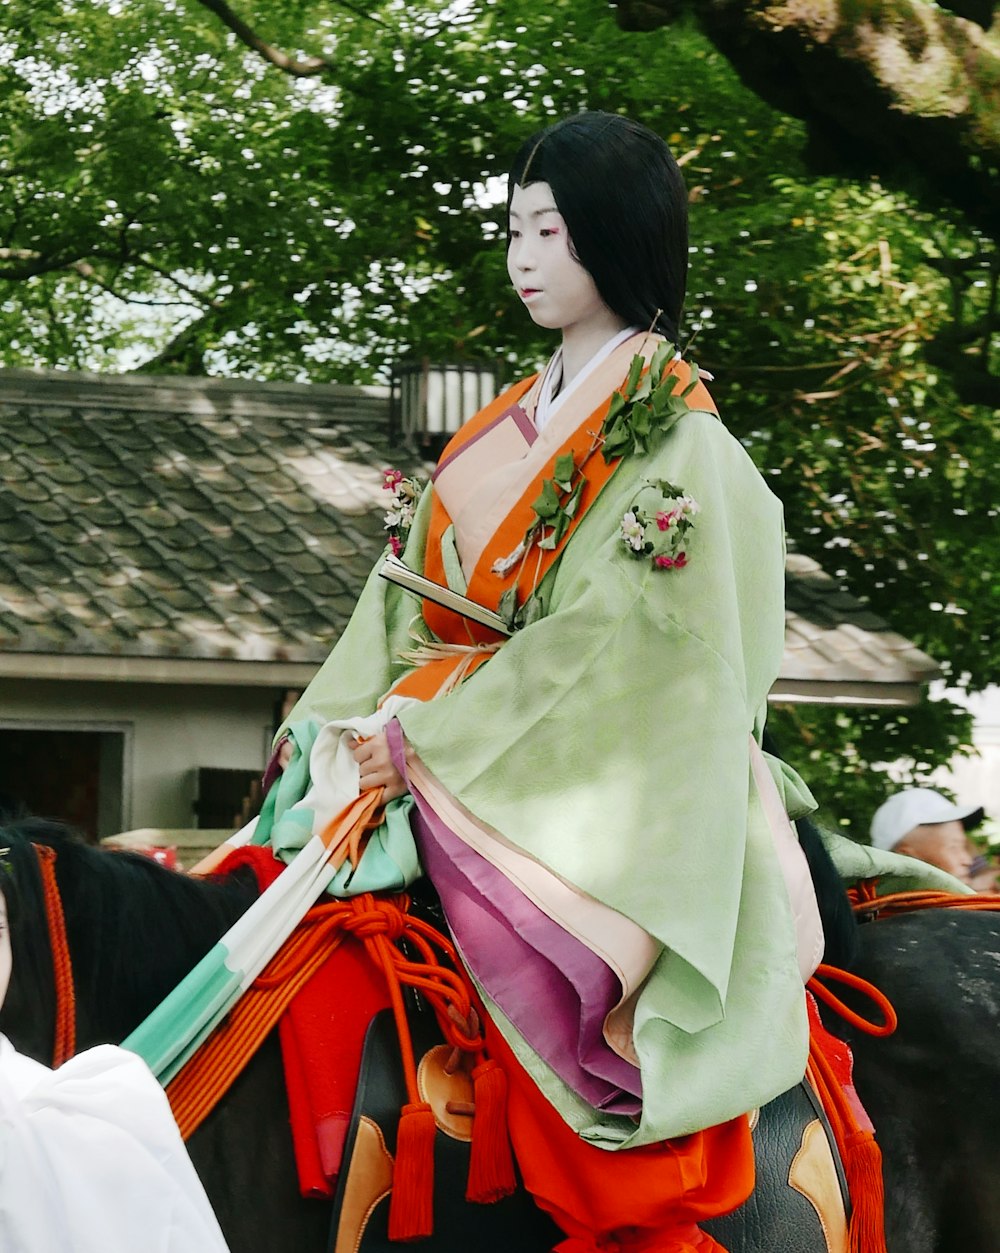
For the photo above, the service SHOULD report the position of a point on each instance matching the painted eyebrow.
(535, 213)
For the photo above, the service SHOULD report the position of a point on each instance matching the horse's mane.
(134, 928)
(840, 928)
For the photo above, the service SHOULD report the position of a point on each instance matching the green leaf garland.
(641, 412)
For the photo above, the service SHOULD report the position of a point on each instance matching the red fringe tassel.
(831, 1071)
(863, 1168)
(411, 1206)
(491, 1163)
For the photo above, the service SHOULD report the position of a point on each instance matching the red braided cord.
(836, 975)
(381, 921)
(64, 1044)
(377, 923)
(866, 901)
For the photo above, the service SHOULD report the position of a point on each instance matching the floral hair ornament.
(402, 506)
(656, 525)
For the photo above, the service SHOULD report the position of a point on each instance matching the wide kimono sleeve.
(365, 661)
(610, 740)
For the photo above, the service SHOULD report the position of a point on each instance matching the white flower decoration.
(633, 531)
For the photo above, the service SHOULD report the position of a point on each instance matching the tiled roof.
(185, 518)
(830, 635)
(225, 519)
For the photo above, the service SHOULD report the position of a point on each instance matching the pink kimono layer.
(557, 989)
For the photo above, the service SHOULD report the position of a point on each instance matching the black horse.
(135, 928)
(933, 1088)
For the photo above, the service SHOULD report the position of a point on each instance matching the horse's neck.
(152, 926)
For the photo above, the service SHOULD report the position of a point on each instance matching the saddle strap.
(215, 1067)
(869, 905)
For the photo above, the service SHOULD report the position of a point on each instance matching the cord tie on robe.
(466, 656)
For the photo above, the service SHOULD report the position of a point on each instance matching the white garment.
(550, 398)
(809, 938)
(334, 774)
(91, 1161)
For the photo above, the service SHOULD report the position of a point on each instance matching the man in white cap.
(922, 823)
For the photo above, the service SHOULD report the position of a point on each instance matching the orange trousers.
(644, 1200)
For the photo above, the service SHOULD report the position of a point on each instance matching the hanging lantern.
(431, 400)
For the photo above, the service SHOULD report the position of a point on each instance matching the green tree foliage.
(308, 190)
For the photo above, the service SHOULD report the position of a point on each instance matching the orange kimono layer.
(643, 1200)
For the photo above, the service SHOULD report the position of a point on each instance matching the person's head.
(922, 823)
(620, 203)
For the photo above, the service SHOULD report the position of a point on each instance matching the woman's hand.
(376, 768)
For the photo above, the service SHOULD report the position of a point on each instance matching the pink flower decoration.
(395, 544)
(666, 520)
(390, 478)
(671, 563)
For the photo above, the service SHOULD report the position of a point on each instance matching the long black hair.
(623, 198)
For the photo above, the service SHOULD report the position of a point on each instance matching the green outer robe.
(609, 740)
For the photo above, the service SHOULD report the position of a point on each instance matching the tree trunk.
(900, 83)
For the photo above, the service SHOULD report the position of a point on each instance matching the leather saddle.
(799, 1204)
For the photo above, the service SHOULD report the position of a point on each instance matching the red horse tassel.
(491, 1165)
(64, 1045)
(411, 1205)
(491, 1170)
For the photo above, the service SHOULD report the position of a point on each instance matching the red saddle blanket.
(323, 1031)
(322, 1037)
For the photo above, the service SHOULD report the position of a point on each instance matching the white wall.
(976, 780)
(170, 732)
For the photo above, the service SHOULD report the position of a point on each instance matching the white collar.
(548, 404)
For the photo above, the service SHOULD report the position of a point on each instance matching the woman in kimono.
(588, 794)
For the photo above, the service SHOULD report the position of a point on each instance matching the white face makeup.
(555, 288)
(5, 954)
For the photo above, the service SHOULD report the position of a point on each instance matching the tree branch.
(359, 12)
(31, 264)
(87, 271)
(24, 263)
(310, 67)
(183, 354)
(199, 297)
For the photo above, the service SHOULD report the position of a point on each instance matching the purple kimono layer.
(555, 990)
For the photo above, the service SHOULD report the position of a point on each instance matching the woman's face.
(554, 287)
